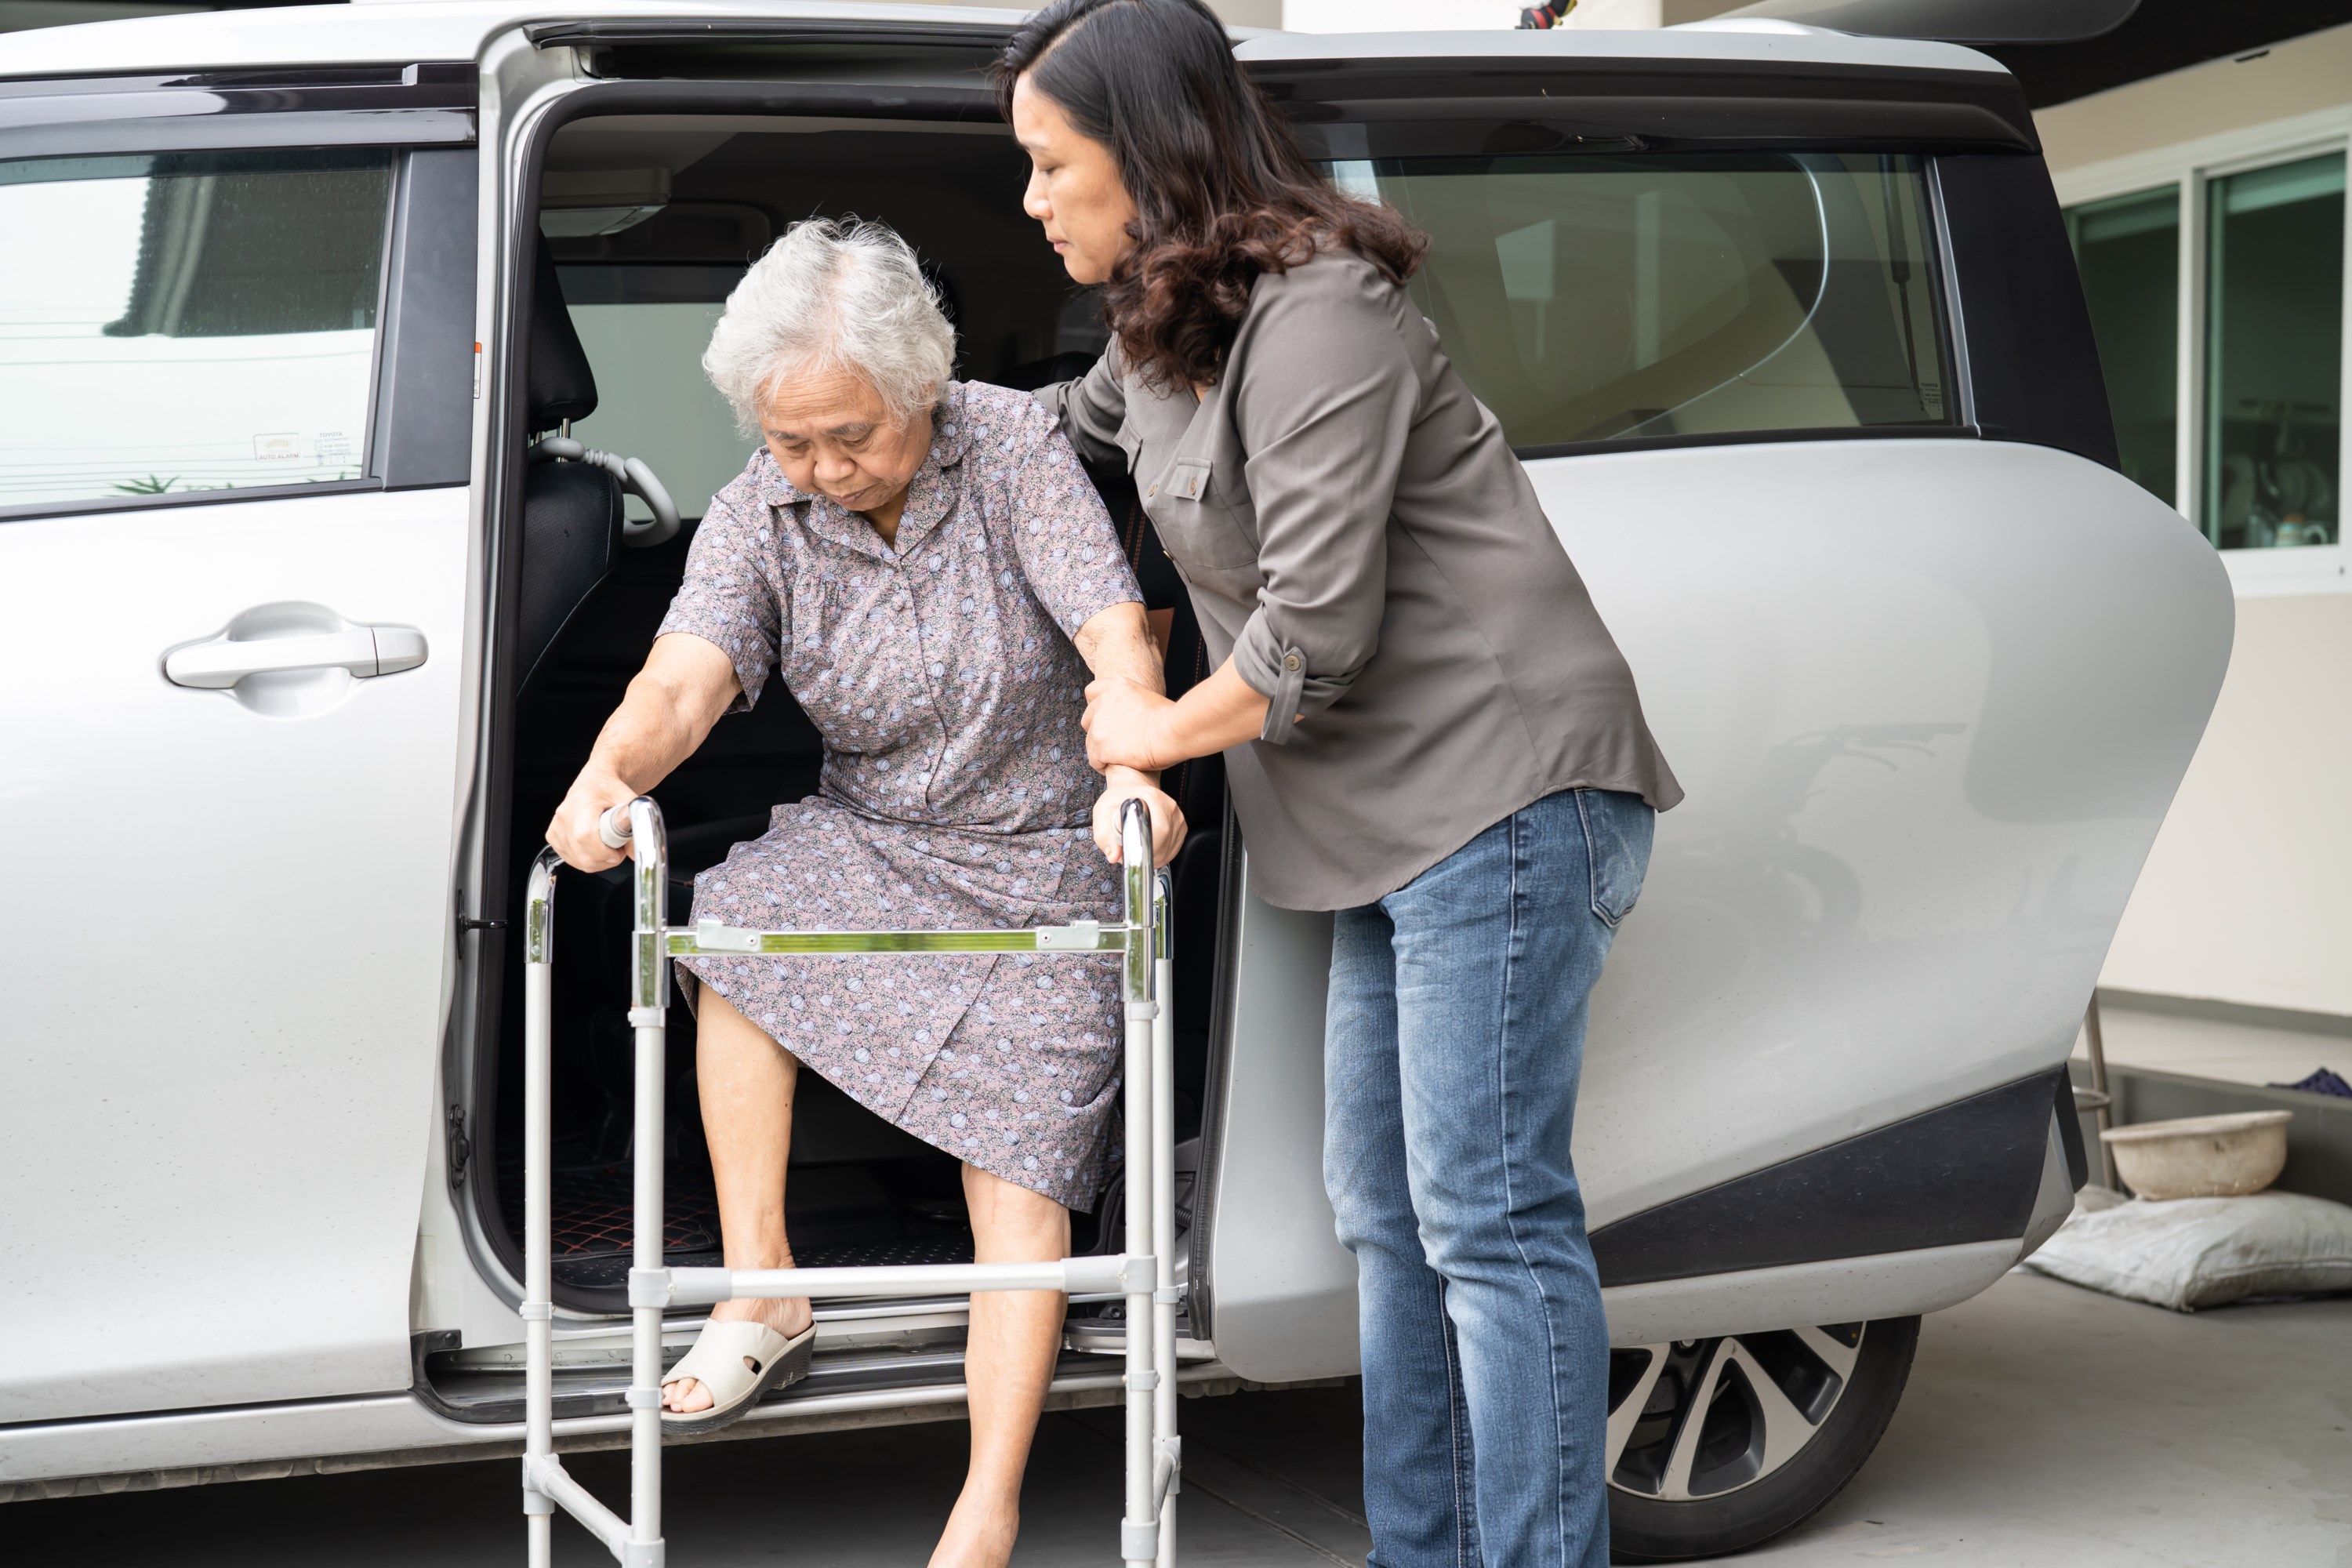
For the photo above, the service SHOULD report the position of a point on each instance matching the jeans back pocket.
(1618, 829)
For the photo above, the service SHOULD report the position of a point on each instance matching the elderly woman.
(924, 564)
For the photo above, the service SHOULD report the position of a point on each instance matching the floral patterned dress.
(955, 790)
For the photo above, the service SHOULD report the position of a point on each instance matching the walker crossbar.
(1144, 1272)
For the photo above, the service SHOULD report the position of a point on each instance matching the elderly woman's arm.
(1116, 646)
(686, 685)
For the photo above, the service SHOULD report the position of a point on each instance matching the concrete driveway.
(2044, 1426)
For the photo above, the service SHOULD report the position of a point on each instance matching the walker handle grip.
(1135, 832)
(614, 828)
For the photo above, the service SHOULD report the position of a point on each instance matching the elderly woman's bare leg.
(747, 1082)
(1015, 1338)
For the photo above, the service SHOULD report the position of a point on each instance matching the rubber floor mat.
(952, 1247)
(591, 1230)
(591, 1214)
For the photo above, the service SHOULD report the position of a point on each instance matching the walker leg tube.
(1166, 1458)
(1141, 1536)
(650, 987)
(538, 1395)
(1140, 1532)
(646, 1360)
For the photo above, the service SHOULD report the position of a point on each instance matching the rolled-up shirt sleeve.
(1330, 397)
(728, 597)
(1091, 409)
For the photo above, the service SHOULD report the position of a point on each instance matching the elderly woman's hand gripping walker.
(926, 565)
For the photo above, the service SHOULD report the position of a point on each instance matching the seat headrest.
(559, 384)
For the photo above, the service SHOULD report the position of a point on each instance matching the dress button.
(1291, 662)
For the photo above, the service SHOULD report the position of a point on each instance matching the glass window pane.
(2275, 356)
(187, 321)
(644, 329)
(2129, 252)
(1598, 298)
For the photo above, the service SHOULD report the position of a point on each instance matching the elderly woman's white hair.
(833, 296)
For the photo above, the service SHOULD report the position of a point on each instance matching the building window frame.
(2190, 168)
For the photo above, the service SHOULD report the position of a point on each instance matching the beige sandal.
(738, 1362)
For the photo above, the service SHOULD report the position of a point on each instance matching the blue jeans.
(1452, 1047)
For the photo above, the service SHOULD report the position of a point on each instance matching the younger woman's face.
(1074, 188)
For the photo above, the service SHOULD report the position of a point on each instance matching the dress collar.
(931, 494)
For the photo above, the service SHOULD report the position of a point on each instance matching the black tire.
(1751, 1472)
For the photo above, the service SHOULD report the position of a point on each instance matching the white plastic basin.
(2201, 1156)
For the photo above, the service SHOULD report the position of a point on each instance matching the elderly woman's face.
(830, 434)
(1074, 188)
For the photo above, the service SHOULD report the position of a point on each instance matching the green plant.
(149, 486)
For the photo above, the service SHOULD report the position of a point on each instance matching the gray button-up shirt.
(1358, 536)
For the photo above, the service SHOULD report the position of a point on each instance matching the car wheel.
(1717, 1444)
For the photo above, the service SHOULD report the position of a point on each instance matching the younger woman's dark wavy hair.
(1222, 192)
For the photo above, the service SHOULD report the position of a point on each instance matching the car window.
(187, 321)
(643, 328)
(2274, 354)
(1605, 297)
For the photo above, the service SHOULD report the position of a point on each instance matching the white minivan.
(299, 650)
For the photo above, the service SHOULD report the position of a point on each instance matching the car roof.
(408, 31)
(1757, 42)
(389, 32)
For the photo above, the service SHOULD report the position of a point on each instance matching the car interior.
(647, 222)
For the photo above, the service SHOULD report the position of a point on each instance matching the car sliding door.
(235, 415)
(1786, 332)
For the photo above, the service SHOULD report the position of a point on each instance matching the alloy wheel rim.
(1690, 1420)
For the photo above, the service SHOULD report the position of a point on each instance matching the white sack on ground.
(2205, 1252)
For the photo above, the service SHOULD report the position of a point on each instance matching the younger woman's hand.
(1123, 722)
(1168, 827)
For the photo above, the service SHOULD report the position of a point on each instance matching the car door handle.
(218, 663)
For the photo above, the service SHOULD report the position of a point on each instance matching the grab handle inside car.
(635, 478)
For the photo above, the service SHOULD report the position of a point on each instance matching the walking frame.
(1144, 1271)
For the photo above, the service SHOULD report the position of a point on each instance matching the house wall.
(2247, 895)
(2294, 78)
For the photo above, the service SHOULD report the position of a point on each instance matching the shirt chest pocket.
(1199, 524)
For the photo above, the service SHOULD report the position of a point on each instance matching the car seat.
(571, 515)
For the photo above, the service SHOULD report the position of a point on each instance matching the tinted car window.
(2275, 356)
(1595, 297)
(187, 321)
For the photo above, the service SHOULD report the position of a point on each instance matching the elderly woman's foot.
(687, 1396)
(979, 1533)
